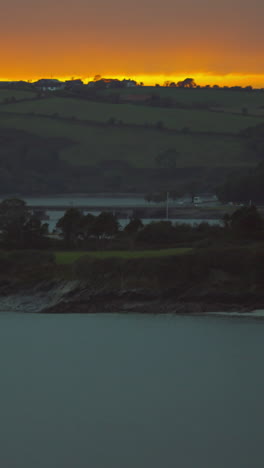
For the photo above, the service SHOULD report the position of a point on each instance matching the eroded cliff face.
(36, 298)
(203, 281)
(80, 297)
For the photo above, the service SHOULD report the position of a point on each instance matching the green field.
(228, 99)
(64, 258)
(137, 146)
(195, 120)
(17, 94)
(83, 142)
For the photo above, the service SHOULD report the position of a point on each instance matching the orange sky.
(151, 40)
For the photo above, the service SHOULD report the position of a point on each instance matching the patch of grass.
(195, 120)
(64, 258)
(17, 94)
(137, 146)
(213, 97)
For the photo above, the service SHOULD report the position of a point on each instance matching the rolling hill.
(16, 94)
(121, 141)
(227, 99)
(197, 120)
(137, 146)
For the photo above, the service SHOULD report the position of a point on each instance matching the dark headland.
(201, 281)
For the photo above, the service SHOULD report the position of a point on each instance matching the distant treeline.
(22, 228)
(100, 82)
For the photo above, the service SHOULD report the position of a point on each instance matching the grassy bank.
(198, 272)
(64, 258)
(232, 275)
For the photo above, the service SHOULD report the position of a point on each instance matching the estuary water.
(54, 217)
(117, 391)
(99, 200)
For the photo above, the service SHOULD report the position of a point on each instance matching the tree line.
(22, 228)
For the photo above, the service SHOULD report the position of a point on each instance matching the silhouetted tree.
(86, 225)
(162, 232)
(105, 225)
(133, 226)
(70, 225)
(187, 83)
(246, 221)
(19, 227)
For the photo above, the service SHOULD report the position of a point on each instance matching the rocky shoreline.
(145, 302)
(76, 297)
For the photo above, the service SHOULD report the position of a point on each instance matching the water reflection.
(124, 391)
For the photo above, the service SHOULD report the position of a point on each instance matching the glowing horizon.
(201, 78)
(217, 42)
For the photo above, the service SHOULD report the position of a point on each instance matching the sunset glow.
(203, 79)
(150, 41)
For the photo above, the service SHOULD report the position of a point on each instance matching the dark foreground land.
(202, 280)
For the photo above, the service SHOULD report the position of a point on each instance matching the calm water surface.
(54, 217)
(107, 201)
(131, 392)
